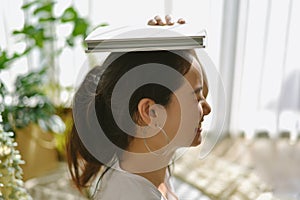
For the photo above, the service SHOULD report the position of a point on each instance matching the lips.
(198, 137)
(199, 126)
(199, 130)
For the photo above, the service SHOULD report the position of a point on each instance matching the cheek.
(173, 119)
(182, 121)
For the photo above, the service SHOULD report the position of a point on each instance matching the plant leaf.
(3, 60)
(80, 27)
(45, 8)
(100, 25)
(28, 5)
(69, 15)
(47, 19)
(3, 90)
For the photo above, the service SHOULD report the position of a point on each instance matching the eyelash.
(200, 98)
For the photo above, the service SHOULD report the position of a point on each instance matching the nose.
(205, 107)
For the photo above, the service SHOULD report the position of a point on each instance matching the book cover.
(145, 38)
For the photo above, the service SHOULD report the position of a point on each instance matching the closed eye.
(198, 90)
(198, 93)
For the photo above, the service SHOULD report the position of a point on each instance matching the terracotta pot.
(38, 150)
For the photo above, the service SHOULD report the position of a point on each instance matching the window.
(266, 80)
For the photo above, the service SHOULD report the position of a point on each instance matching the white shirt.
(118, 184)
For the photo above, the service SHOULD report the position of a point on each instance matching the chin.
(197, 141)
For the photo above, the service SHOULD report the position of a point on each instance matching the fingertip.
(169, 20)
(168, 17)
(157, 18)
(152, 22)
(181, 21)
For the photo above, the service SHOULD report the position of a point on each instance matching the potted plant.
(30, 110)
(31, 115)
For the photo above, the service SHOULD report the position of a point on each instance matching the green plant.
(11, 184)
(36, 93)
(30, 104)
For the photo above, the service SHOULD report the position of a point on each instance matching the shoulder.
(125, 186)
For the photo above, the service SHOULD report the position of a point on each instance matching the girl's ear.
(145, 113)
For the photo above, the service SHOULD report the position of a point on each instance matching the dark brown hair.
(82, 165)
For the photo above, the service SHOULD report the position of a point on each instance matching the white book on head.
(144, 38)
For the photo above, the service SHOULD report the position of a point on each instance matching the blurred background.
(253, 45)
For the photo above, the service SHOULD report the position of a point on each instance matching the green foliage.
(80, 25)
(5, 60)
(3, 90)
(36, 34)
(11, 184)
(69, 15)
(30, 102)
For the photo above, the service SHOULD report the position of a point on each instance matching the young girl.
(166, 112)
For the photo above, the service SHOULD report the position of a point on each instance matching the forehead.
(194, 75)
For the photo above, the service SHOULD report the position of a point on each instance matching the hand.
(168, 21)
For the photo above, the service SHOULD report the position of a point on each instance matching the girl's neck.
(152, 168)
(149, 165)
(156, 177)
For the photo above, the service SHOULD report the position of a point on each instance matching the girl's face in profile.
(195, 101)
